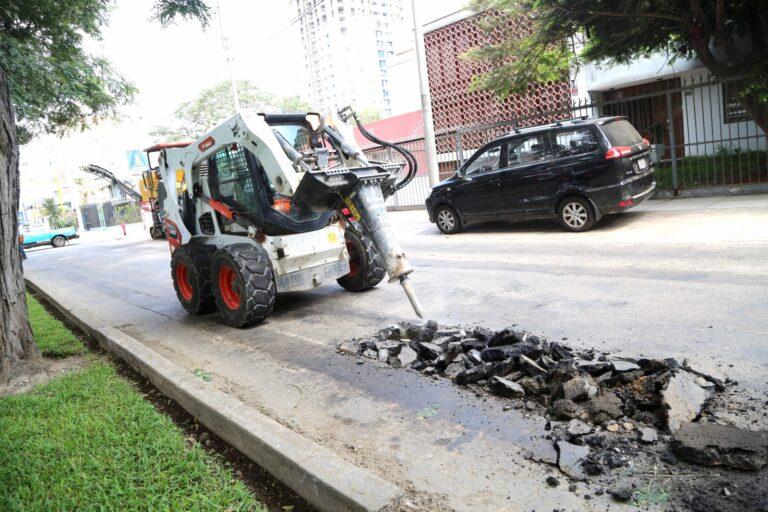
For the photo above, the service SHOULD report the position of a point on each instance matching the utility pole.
(426, 100)
(228, 58)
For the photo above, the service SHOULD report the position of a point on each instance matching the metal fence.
(701, 135)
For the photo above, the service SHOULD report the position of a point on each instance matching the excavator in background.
(146, 196)
(273, 203)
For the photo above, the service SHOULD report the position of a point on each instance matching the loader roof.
(167, 145)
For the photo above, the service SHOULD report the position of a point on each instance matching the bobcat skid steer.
(275, 203)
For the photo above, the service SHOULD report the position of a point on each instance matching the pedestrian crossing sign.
(137, 159)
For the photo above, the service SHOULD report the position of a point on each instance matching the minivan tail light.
(618, 152)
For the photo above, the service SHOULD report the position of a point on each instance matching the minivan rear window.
(621, 133)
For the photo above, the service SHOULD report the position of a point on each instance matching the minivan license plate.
(642, 164)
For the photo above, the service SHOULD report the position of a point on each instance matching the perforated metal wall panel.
(453, 106)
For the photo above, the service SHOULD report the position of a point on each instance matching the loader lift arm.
(109, 176)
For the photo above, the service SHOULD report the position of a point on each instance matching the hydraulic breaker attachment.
(366, 202)
(360, 190)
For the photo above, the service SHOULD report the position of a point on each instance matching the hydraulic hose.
(407, 155)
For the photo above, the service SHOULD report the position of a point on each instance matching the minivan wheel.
(575, 214)
(447, 220)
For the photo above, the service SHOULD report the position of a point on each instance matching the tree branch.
(635, 14)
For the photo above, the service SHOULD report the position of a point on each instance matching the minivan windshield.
(621, 133)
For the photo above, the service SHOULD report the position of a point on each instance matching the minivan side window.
(488, 161)
(574, 142)
(525, 150)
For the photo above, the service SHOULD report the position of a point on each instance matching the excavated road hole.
(645, 430)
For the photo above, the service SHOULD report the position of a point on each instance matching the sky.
(173, 65)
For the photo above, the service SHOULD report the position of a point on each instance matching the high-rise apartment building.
(348, 46)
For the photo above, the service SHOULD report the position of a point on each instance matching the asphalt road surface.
(680, 278)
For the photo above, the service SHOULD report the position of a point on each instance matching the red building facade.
(450, 76)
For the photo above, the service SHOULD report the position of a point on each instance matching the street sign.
(137, 159)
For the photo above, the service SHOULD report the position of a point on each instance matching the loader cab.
(237, 178)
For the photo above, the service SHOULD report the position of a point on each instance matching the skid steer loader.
(275, 203)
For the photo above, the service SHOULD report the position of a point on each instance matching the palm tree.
(52, 211)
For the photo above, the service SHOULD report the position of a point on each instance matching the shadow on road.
(607, 223)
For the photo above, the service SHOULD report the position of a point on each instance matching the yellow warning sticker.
(352, 209)
(332, 238)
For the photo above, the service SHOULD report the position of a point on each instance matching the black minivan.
(575, 171)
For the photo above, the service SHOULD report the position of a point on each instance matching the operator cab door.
(479, 194)
(529, 181)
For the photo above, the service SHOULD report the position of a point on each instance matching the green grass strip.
(53, 338)
(89, 441)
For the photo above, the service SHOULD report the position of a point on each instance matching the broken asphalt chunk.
(504, 387)
(580, 388)
(564, 409)
(429, 350)
(407, 356)
(683, 399)
(709, 444)
(570, 458)
(578, 428)
(648, 435)
(604, 406)
(624, 366)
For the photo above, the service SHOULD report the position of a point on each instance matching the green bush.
(726, 167)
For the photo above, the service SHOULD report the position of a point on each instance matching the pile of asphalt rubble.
(594, 403)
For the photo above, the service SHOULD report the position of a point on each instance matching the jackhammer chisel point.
(408, 288)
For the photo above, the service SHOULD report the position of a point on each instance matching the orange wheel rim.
(182, 278)
(228, 288)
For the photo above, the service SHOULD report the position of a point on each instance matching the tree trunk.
(16, 342)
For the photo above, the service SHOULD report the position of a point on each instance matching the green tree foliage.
(58, 217)
(128, 213)
(369, 114)
(56, 85)
(50, 84)
(212, 105)
(51, 210)
(729, 37)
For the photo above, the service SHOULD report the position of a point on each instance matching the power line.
(280, 32)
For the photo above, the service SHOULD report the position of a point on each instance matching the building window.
(733, 111)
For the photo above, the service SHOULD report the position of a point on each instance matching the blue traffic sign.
(137, 159)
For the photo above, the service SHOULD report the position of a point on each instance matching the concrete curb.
(315, 473)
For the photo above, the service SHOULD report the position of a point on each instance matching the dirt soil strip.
(315, 473)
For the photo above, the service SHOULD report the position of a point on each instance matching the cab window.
(488, 161)
(574, 142)
(526, 150)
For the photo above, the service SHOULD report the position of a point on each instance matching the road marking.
(297, 336)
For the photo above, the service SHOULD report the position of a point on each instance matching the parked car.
(44, 236)
(574, 171)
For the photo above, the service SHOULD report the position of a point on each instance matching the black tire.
(447, 220)
(366, 266)
(576, 214)
(191, 274)
(156, 232)
(58, 241)
(246, 271)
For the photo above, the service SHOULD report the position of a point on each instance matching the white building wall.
(704, 128)
(404, 83)
(348, 47)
